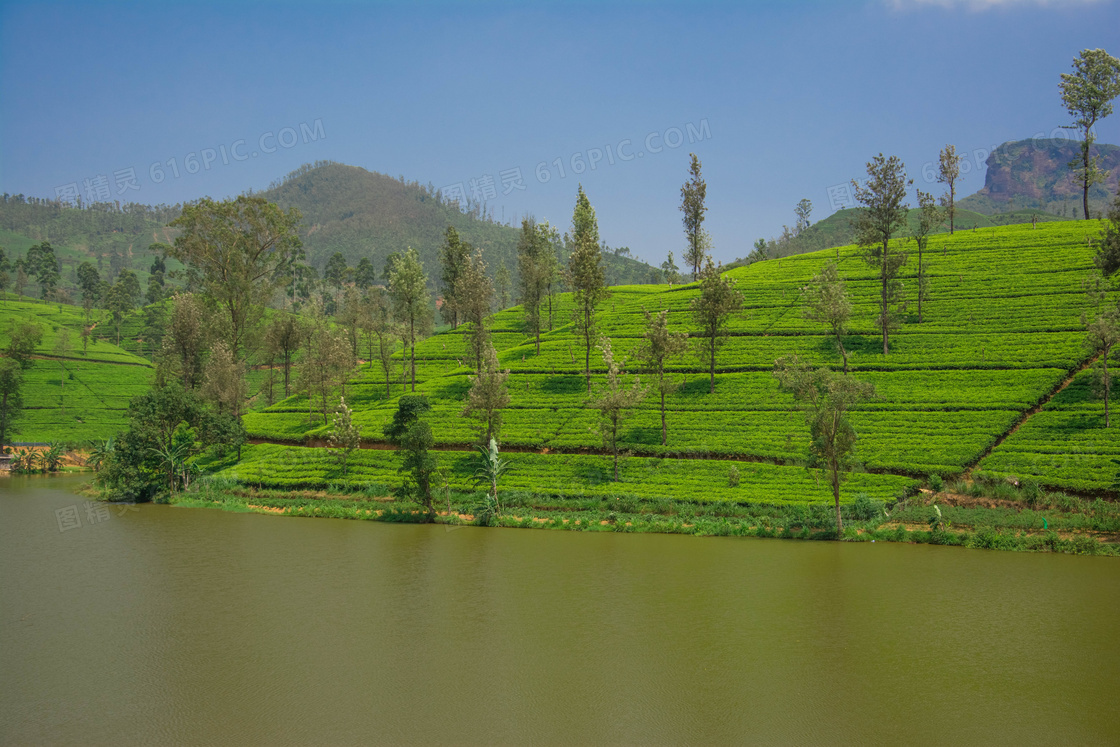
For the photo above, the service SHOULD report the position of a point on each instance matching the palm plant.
(52, 457)
(100, 452)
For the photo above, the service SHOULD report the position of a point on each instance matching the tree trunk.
(1107, 384)
(412, 344)
(712, 365)
(664, 432)
(1085, 176)
(920, 279)
(835, 468)
(843, 350)
(883, 318)
(587, 348)
(952, 206)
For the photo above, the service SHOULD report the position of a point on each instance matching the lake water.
(163, 625)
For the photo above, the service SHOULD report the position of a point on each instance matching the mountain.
(1035, 174)
(362, 213)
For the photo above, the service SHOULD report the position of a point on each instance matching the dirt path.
(1027, 414)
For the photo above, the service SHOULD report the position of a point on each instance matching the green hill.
(363, 213)
(1001, 332)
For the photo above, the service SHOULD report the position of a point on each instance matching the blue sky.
(782, 100)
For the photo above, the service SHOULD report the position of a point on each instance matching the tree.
(365, 277)
(336, 271)
(614, 401)
(244, 250)
(882, 216)
(61, 350)
(43, 264)
(23, 339)
(711, 311)
(490, 468)
(658, 347)
(453, 256)
(5, 270)
(344, 436)
(488, 395)
(185, 342)
(11, 379)
(1107, 257)
(476, 294)
(929, 218)
(119, 302)
(827, 302)
(1103, 335)
(413, 437)
(948, 173)
(502, 282)
(693, 193)
(382, 333)
(223, 380)
(89, 280)
(282, 340)
(585, 272)
(533, 267)
(327, 361)
(1087, 94)
(803, 210)
(671, 271)
(409, 292)
(826, 399)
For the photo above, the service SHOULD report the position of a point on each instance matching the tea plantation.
(1001, 331)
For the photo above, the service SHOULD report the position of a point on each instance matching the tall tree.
(282, 340)
(326, 362)
(23, 339)
(585, 273)
(89, 280)
(243, 250)
(413, 437)
(343, 436)
(827, 302)
(614, 400)
(1087, 94)
(670, 270)
(5, 270)
(884, 214)
(534, 263)
(453, 256)
(365, 277)
(11, 379)
(488, 396)
(502, 282)
(929, 218)
(336, 271)
(803, 210)
(1103, 336)
(185, 342)
(948, 173)
(658, 347)
(409, 292)
(693, 193)
(711, 311)
(476, 296)
(223, 380)
(826, 399)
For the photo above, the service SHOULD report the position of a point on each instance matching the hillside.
(992, 347)
(345, 209)
(366, 214)
(1035, 174)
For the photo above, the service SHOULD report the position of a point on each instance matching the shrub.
(733, 476)
(935, 482)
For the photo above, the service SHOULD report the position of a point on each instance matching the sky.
(520, 103)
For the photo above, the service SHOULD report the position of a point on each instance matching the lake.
(162, 625)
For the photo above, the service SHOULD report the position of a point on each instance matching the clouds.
(979, 6)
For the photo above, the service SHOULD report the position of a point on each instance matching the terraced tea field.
(1001, 330)
(76, 397)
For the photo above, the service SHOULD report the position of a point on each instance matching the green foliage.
(11, 401)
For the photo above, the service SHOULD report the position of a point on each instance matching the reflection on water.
(156, 624)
